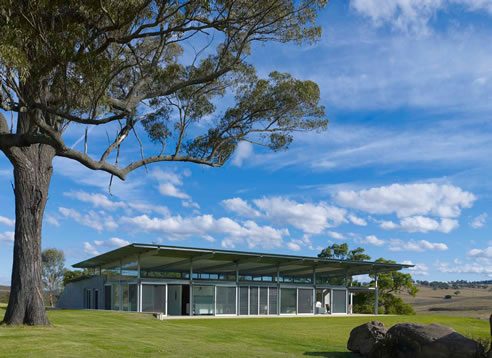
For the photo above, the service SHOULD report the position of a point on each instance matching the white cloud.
(479, 221)
(335, 235)
(388, 225)
(7, 221)
(112, 242)
(481, 253)
(240, 207)
(425, 224)
(419, 269)
(97, 200)
(7, 236)
(179, 227)
(373, 240)
(89, 249)
(243, 151)
(298, 244)
(171, 190)
(473, 268)
(190, 204)
(412, 15)
(409, 199)
(294, 246)
(52, 220)
(311, 218)
(357, 221)
(95, 220)
(412, 245)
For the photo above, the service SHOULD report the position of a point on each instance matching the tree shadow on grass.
(330, 354)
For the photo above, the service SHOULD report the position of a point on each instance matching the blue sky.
(403, 170)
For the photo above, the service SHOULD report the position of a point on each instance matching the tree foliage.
(159, 69)
(53, 271)
(389, 283)
(125, 64)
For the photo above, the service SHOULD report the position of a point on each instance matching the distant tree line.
(455, 285)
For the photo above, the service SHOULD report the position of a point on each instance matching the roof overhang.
(176, 258)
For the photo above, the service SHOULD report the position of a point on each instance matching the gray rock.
(365, 337)
(413, 340)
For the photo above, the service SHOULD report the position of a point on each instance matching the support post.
(237, 288)
(278, 289)
(314, 288)
(376, 304)
(191, 287)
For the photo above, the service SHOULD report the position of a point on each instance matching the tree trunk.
(32, 174)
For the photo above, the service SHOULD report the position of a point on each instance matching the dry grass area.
(470, 302)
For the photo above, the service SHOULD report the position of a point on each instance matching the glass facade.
(203, 300)
(116, 298)
(226, 300)
(339, 301)
(243, 300)
(253, 300)
(288, 300)
(305, 300)
(154, 298)
(132, 298)
(272, 300)
(263, 300)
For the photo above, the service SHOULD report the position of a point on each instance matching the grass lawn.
(114, 334)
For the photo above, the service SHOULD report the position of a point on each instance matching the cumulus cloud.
(112, 242)
(243, 151)
(373, 240)
(412, 245)
(180, 227)
(90, 249)
(7, 221)
(481, 253)
(469, 268)
(95, 220)
(240, 207)
(7, 236)
(357, 221)
(335, 235)
(97, 200)
(418, 269)
(169, 183)
(425, 224)
(409, 199)
(298, 244)
(412, 16)
(479, 221)
(52, 220)
(310, 218)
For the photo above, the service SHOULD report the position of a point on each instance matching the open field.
(114, 334)
(470, 302)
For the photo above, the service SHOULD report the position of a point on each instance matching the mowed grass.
(113, 334)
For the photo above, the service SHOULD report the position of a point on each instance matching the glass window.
(203, 300)
(288, 300)
(322, 300)
(107, 297)
(305, 300)
(263, 300)
(226, 300)
(112, 272)
(116, 297)
(124, 296)
(273, 300)
(339, 301)
(253, 300)
(132, 298)
(154, 298)
(129, 268)
(243, 300)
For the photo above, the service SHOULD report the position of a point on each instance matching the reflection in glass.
(288, 300)
(226, 300)
(203, 300)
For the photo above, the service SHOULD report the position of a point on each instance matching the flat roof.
(178, 258)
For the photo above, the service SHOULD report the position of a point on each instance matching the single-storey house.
(181, 281)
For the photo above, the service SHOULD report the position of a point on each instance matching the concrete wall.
(73, 294)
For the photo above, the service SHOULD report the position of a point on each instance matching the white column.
(191, 287)
(376, 305)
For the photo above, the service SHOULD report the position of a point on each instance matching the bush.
(448, 297)
(395, 305)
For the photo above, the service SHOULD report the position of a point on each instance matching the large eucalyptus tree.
(137, 66)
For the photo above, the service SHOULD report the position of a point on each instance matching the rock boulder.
(413, 340)
(364, 338)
